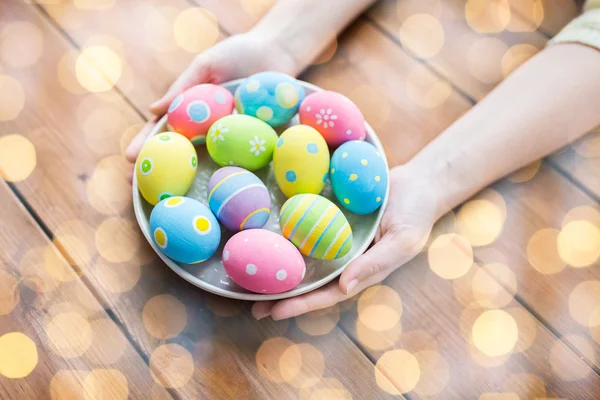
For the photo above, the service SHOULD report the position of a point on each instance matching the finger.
(262, 309)
(137, 143)
(384, 256)
(195, 74)
(130, 176)
(321, 298)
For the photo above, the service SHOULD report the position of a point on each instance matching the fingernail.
(259, 316)
(351, 286)
(155, 104)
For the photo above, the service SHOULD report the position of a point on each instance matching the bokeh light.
(117, 278)
(158, 28)
(257, 8)
(171, 365)
(93, 4)
(425, 88)
(302, 365)
(67, 385)
(108, 343)
(21, 44)
(105, 384)
(9, 292)
(526, 173)
(516, 56)
(100, 127)
(108, 189)
(33, 271)
(325, 389)
(542, 252)
(397, 371)
(584, 303)
(484, 59)
(582, 213)
(579, 243)
(66, 72)
(117, 239)
(499, 396)
(319, 322)
(56, 266)
(528, 326)
(70, 334)
(374, 104)
(195, 30)
(450, 256)
(12, 98)
(422, 35)
(378, 340)
(480, 222)
(495, 333)
(268, 356)
(435, 373)
(379, 308)
(130, 133)
(98, 68)
(487, 17)
(564, 363)
(494, 285)
(75, 251)
(164, 316)
(444, 225)
(531, 15)
(19, 355)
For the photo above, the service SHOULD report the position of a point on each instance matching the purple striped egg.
(239, 199)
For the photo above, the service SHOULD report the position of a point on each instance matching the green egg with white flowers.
(241, 140)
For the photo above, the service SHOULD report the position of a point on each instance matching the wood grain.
(36, 304)
(171, 321)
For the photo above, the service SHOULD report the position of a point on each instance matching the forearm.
(301, 29)
(551, 100)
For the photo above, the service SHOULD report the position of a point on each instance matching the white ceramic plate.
(210, 275)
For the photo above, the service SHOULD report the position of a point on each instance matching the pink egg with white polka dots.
(263, 262)
(193, 112)
(334, 115)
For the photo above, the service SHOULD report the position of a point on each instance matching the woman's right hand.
(235, 57)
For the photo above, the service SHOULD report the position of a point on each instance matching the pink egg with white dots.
(263, 262)
(193, 112)
(334, 115)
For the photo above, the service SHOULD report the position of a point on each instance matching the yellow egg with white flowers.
(301, 161)
(166, 167)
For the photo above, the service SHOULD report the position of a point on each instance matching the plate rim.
(174, 266)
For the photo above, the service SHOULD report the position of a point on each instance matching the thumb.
(195, 74)
(392, 250)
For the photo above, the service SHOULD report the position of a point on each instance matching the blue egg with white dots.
(185, 230)
(273, 97)
(359, 176)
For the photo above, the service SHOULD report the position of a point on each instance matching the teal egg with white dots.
(273, 97)
(185, 230)
(359, 176)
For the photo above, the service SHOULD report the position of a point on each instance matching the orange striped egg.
(316, 226)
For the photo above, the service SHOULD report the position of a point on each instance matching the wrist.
(276, 56)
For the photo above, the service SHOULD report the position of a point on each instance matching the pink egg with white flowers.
(334, 115)
(193, 112)
(263, 262)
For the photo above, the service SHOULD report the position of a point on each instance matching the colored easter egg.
(273, 97)
(359, 177)
(334, 115)
(241, 140)
(263, 262)
(316, 226)
(166, 167)
(238, 199)
(194, 111)
(301, 161)
(184, 230)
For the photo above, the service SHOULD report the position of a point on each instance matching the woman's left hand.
(404, 230)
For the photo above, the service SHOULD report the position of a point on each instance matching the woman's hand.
(235, 57)
(404, 230)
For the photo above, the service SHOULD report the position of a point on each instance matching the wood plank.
(549, 16)
(79, 190)
(56, 339)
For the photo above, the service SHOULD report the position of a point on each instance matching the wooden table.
(88, 311)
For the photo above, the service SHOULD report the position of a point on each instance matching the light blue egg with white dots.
(185, 230)
(273, 97)
(359, 176)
